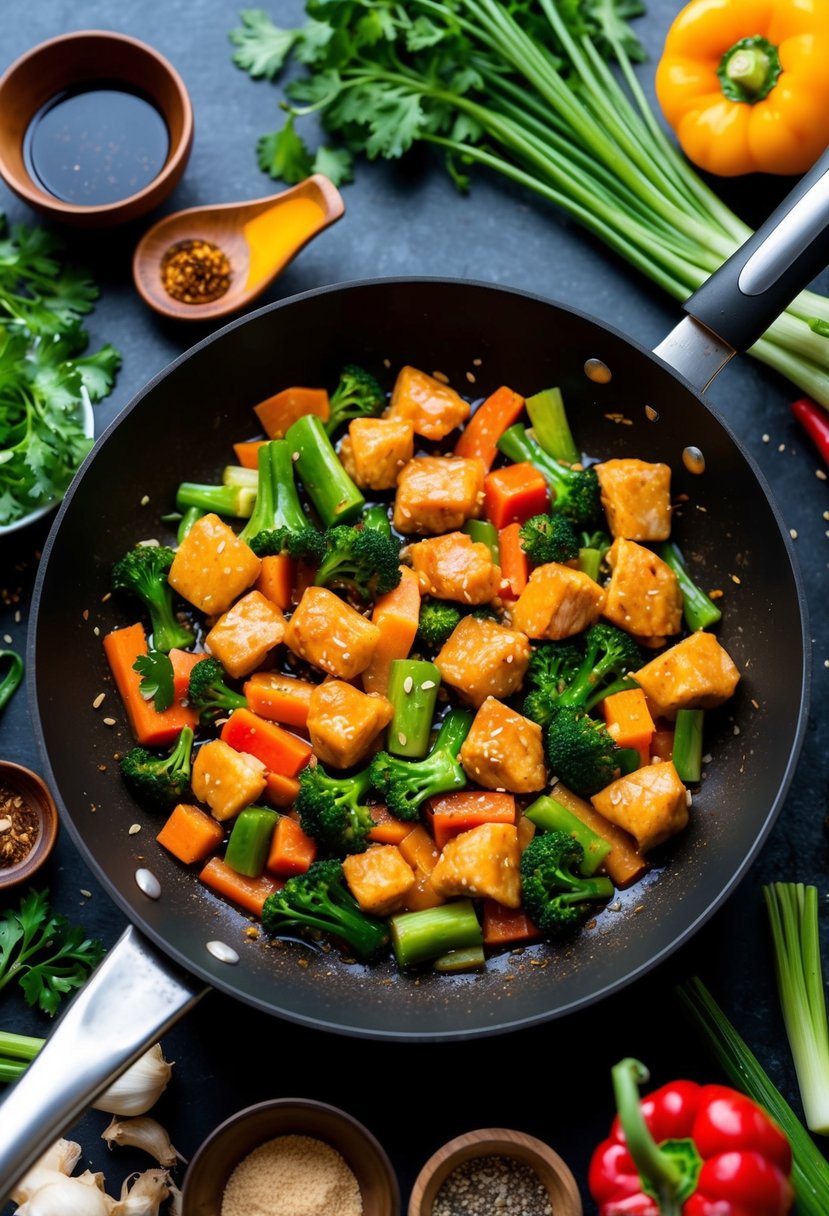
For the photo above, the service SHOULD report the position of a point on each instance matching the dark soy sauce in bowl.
(96, 144)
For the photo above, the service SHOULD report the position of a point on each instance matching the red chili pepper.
(689, 1150)
(815, 421)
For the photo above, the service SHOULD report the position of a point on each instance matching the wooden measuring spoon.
(258, 237)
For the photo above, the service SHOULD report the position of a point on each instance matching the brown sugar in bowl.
(16, 779)
(550, 1168)
(232, 1141)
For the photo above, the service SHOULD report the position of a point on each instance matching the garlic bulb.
(54, 1165)
(140, 1087)
(143, 1194)
(143, 1133)
(77, 1196)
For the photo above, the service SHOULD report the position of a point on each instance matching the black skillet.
(181, 427)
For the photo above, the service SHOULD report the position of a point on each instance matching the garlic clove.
(144, 1133)
(57, 1162)
(143, 1194)
(65, 1196)
(140, 1087)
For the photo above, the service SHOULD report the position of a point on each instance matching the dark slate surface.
(407, 219)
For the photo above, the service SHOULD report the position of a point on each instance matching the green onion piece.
(238, 475)
(687, 749)
(550, 425)
(418, 937)
(19, 1046)
(236, 501)
(413, 691)
(250, 839)
(470, 959)
(792, 909)
(189, 517)
(484, 533)
(551, 816)
(810, 1169)
(699, 610)
(318, 467)
(590, 561)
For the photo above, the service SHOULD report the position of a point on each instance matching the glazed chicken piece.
(636, 496)
(650, 803)
(438, 494)
(483, 659)
(432, 407)
(482, 862)
(375, 450)
(696, 673)
(454, 567)
(643, 596)
(557, 603)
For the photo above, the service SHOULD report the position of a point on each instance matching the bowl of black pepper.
(495, 1171)
(28, 823)
(291, 1157)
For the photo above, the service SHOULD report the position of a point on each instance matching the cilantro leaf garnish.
(47, 955)
(156, 673)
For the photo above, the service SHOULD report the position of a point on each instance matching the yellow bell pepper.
(745, 84)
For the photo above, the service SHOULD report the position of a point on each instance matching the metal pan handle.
(132, 998)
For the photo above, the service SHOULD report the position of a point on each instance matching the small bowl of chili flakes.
(28, 823)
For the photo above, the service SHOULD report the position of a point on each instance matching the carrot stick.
(396, 614)
(279, 750)
(451, 814)
(277, 576)
(190, 834)
(248, 893)
(628, 720)
(151, 728)
(514, 494)
(292, 851)
(420, 850)
(183, 662)
(279, 790)
(279, 698)
(281, 411)
(487, 425)
(515, 565)
(388, 829)
(624, 863)
(503, 926)
(247, 454)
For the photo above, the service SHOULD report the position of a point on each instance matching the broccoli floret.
(333, 809)
(436, 622)
(357, 395)
(143, 572)
(551, 667)
(576, 492)
(160, 780)
(306, 543)
(208, 693)
(549, 538)
(406, 784)
(361, 561)
(609, 655)
(580, 751)
(555, 896)
(320, 900)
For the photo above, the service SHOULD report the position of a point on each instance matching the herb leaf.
(263, 47)
(32, 930)
(284, 155)
(156, 673)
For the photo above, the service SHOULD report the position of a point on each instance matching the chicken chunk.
(242, 637)
(650, 803)
(557, 603)
(212, 567)
(437, 494)
(636, 496)
(696, 673)
(376, 449)
(343, 722)
(504, 750)
(454, 567)
(329, 633)
(482, 863)
(432, 407)
(379, 879)
(643, 596)
(482, 659)
(225, 779)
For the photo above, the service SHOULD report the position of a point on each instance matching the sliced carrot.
(504, 926)
(248, 893)
(662, 743)
(514, 563)
(277, 576)
(514, 494)
(279, 698)
(183, 662)
(487, 425)
(190, 834)
(292, 851)
(247, 454)
(396, 614)
(451, 814)
(151, 728)
(628, 720)
(280, 751)
(281, 411)
(388, 829)
(279, 790)
(420, 850)
(624, 863)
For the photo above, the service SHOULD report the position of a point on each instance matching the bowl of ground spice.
(291, 1157)
(495, 1172)
(28, 823)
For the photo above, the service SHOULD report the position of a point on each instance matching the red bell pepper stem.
(656, 1168)
(815, 421)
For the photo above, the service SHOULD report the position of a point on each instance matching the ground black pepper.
(493, 1185)
(19, 827)
(195, 272)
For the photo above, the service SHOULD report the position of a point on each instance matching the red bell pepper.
(689, 1150)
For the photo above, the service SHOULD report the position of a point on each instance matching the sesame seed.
(401, 738)
(109, 721)
(96, 704)
(793, 533)
(86, 894)
(134, 827)
(408, 684)
(426, 685)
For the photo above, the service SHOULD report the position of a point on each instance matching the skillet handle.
(741, 299)
(132, 998)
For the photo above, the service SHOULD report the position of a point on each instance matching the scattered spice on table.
(292, 1176)
(494, 1184)
(19, 827)
(195, 272)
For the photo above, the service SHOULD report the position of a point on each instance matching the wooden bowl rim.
(37, 792)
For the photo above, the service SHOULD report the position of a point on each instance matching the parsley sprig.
(45, 954)
(45, 377)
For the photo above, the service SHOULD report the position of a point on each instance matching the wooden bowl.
(70, 60)
(36, 793)
(497, 1142)
(221, 1152)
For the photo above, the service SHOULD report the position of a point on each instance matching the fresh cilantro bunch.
(45, 379)
(45, 954)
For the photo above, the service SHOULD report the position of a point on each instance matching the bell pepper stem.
(655, 1167)
(749, 70)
